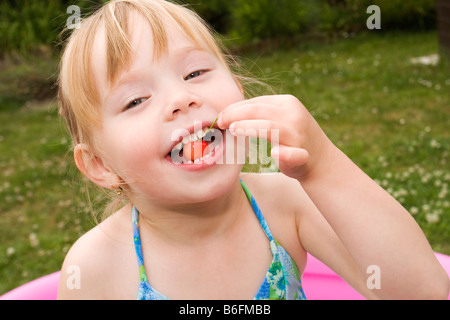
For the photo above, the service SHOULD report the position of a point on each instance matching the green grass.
(41, 209)
(391, 117)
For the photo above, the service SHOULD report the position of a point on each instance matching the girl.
(141, 83)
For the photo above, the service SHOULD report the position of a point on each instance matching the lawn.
(390, 116)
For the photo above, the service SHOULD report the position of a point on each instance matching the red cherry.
(194, 150)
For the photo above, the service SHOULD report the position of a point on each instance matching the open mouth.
(197, 147)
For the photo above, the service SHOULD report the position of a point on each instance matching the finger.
(260, 99)
(264, 98)
(265, 129)
(255, 128)
(246, 110)
(289, 157)
(272, 100)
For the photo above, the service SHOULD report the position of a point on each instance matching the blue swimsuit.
(282, 280)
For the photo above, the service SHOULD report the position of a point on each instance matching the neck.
(195, 223)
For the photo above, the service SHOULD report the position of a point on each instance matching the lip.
(190, 130)
(215, 158)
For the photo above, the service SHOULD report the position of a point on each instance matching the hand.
(301, 140)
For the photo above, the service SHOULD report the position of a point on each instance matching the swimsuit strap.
(137, 244)
(282, 280)
(137, 238)
(257, 211)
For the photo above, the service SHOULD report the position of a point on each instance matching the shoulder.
(276, 187)
(94, 259)
(80, 272)
(282, 201)
(269, 181)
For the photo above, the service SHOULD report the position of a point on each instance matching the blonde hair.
(79, 98)
(79, 102)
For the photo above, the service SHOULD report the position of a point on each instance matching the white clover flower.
(10, 251)
(432, 217)
(34, 241)
(434, 144)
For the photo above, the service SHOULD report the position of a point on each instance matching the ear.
(93, 167)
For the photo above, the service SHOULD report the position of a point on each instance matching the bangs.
(79, 98)
(119, 49)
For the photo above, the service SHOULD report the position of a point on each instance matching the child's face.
(153, 99)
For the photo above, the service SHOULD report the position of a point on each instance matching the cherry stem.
(209, 129)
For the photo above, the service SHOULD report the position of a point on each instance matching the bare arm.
(375, 229)
(372, 226)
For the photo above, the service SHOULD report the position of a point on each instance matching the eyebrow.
(130, 76)
(183, 51)
(123, 81)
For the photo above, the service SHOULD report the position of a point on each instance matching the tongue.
(194, 150)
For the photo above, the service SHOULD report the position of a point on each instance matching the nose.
(181, 100)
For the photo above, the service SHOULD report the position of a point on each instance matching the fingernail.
(275, 152)
(232, 128)
(219, 121)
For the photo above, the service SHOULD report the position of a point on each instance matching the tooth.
(179, 146)
(200, 134)
(186, 140)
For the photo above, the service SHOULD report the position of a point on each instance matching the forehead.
(114, 51)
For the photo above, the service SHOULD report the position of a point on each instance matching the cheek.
(132, 147)
(229, 93)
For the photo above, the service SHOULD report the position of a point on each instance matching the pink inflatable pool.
(319, 281)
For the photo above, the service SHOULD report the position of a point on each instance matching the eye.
(135, 103)
(195, 74)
